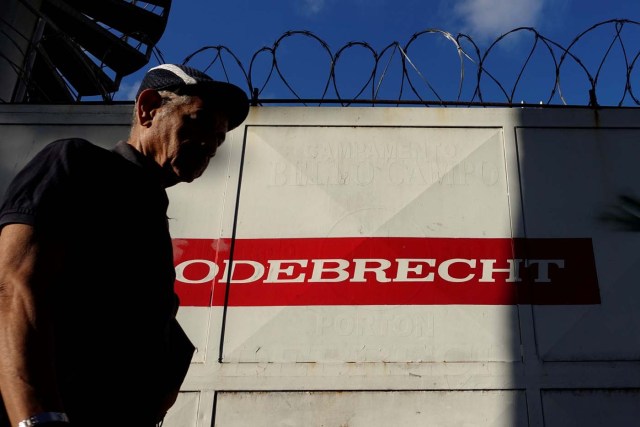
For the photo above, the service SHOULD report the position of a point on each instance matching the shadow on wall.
(20, 141)
(578, 183)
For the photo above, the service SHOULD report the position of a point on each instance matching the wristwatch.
(45, 419)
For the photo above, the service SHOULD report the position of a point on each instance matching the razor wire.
(599, 67)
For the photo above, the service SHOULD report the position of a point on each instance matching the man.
(88, 335)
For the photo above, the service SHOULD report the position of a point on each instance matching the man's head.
(181, 117)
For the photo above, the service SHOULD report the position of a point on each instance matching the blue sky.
(246, 26)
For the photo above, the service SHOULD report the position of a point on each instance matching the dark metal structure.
(63, 50)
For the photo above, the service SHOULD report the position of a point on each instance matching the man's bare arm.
(27, 376)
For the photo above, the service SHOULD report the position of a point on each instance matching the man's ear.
(148, 102)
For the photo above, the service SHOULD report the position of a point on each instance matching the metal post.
(18, 25)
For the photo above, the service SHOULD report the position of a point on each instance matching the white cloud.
(127, 90)
(488, 19)
(311, 7)
(133, 89)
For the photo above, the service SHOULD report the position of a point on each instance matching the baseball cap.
(185, 80)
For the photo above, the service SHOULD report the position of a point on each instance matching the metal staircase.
(83, 48)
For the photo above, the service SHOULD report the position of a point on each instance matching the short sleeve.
(39, 192)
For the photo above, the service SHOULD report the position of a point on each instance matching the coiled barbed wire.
(599, 67)
(416, 73)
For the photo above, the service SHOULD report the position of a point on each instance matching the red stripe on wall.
(385, 271)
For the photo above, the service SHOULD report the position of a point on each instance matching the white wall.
(303, 184)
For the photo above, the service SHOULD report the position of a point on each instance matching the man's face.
(190, 134)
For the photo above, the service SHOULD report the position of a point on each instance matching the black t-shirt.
(114, 300)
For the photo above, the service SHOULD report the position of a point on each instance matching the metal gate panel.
(570, 178)
(370, 409)
(324, 181)
(577, 408)
(370, 183)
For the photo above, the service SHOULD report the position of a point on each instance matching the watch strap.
(44, 417)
